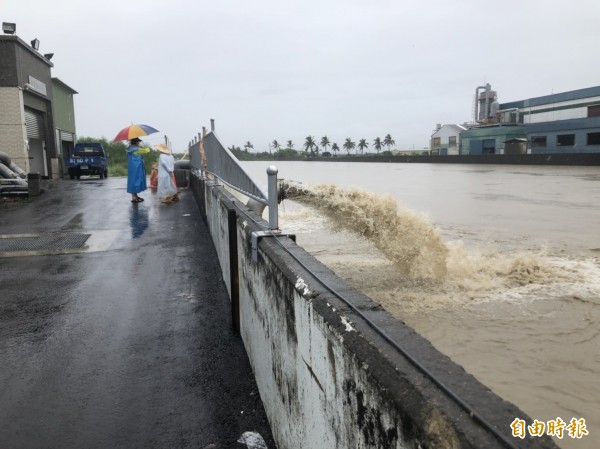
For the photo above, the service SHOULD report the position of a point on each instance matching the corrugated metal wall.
(64, 110)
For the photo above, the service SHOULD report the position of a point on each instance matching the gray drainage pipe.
(5, 159)
(11, 176)
(7, 173)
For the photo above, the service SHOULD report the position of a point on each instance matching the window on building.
(489, 146)
(452, 140)
(565, 140)
(436, 141)
(538, 141)
(594, 110)
(593, 139)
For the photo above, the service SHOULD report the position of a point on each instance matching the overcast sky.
(284, 70)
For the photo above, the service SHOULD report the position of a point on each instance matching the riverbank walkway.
(115, 326)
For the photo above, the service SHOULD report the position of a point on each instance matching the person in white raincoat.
(167, 189)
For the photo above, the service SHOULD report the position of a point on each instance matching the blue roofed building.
(567, 122)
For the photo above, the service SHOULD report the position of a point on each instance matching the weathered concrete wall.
(328, 379)
(216, 221)
(13, 134)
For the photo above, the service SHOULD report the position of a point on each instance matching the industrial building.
(37, 123)
(567, 122)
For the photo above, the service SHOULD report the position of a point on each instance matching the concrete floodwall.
(335, 370)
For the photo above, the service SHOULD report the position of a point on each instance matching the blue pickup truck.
(87, 159)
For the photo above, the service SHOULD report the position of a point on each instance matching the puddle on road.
(101, 240)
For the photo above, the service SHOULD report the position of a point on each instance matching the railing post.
(273, 213)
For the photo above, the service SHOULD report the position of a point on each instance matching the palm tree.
(335, 148)
(377, 144)
(309, 144)
(362, 144)
(325, 143)
(275, 145)
(388, 141)
(248, 145)
(290, 145)
(348, 145)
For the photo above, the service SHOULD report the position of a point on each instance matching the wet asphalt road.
(126, 344)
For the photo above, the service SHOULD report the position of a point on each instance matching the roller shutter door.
(35, 124)
(66, 136)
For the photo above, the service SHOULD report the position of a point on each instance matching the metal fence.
(209, 157)
(220, 162)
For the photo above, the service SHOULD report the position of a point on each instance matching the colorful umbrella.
(133, 131)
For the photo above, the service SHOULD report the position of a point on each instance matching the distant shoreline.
(573, 159)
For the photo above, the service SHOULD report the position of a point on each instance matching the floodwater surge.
(415, 246)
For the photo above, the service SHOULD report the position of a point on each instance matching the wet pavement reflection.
(127, 343)
(138, 220)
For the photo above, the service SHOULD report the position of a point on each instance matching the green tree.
(388, 141)
(377, 144)
(325, 143)
(335, 148)
(286, 153)
(362, 144)
(310, 145)
(349, 145)
(290, 145)
(242, 155)
(275, 145)
(248, 145)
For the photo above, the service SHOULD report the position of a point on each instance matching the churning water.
(498, 266)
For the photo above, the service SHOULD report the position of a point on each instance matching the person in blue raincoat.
(136, 170)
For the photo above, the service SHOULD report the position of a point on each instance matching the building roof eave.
(64, 85)
(22, 43)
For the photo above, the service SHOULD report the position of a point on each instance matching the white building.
(445, 140)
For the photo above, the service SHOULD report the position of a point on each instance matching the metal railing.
(209, 157)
